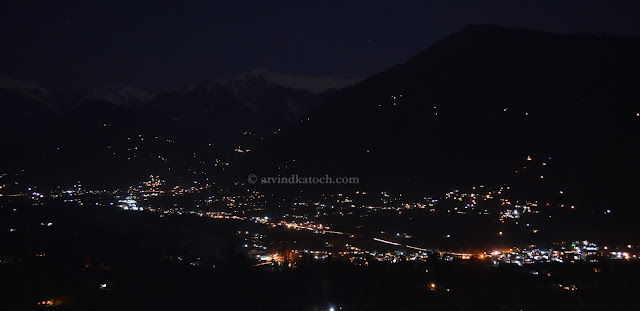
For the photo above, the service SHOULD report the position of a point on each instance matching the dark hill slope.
(471, 108)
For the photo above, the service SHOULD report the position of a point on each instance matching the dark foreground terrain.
(84, 258)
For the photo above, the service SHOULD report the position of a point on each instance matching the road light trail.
(388, 242)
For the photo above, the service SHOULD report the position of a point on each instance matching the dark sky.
(159, 44)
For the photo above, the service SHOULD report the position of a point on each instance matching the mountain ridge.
(471, 108)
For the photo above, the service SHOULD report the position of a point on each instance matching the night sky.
(158, 44)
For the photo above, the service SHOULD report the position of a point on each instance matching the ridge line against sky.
(161, 44)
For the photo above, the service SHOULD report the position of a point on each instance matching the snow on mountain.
(310, 83)
(28, 90)
(124, 96)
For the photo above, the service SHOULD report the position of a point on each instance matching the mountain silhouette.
(472, 109)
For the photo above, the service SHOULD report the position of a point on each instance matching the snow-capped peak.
(119, 95)
(313, 84)
(30, 90)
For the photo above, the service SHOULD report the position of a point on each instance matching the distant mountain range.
(22, 100)
(228, 114)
